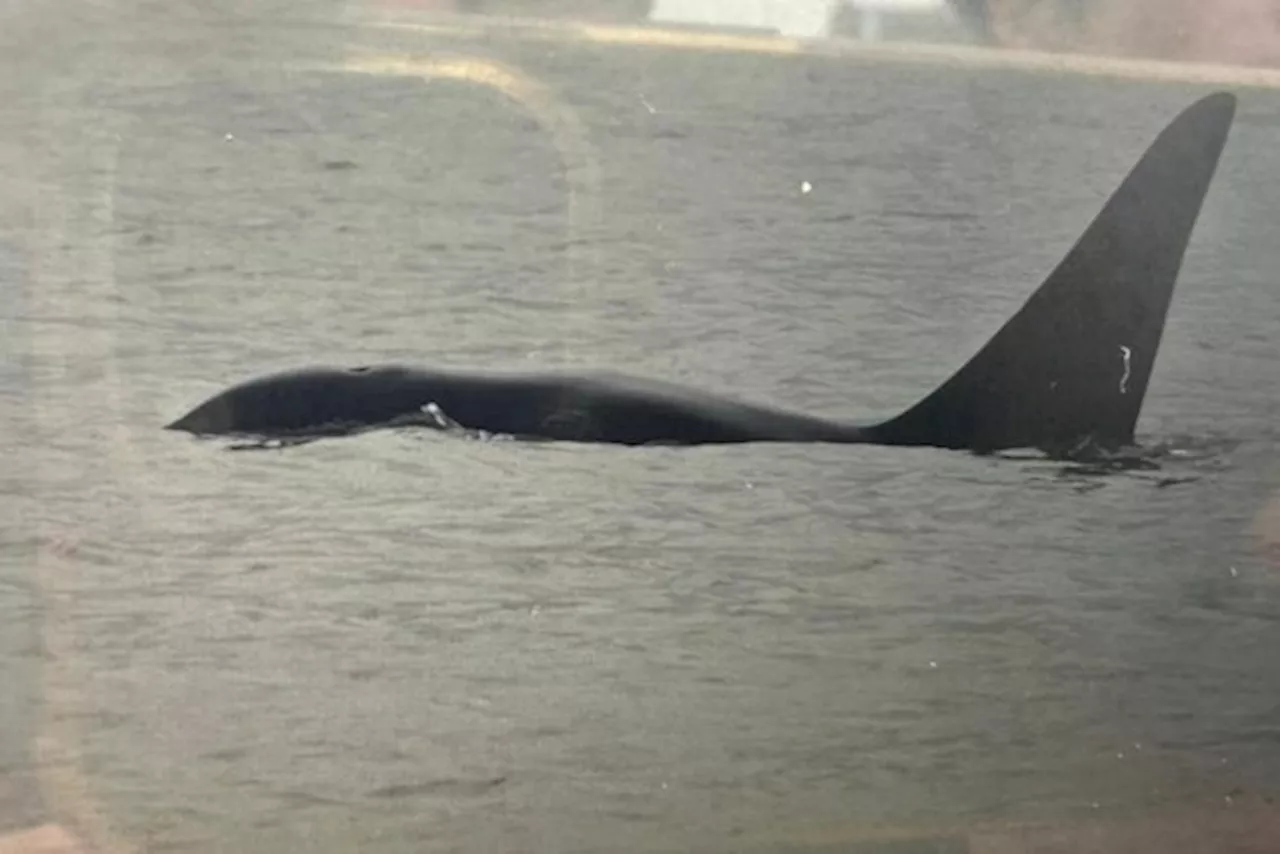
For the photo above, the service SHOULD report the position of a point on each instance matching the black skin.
(583, 408)
(1070, 367)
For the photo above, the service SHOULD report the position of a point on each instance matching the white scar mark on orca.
(1125, 353)
(439, 418)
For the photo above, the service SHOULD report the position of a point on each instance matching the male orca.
(1069, 369)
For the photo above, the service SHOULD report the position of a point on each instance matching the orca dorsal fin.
(1073, 364)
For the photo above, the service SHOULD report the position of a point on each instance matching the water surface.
(408, 641)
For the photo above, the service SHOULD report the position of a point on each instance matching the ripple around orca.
(1066, 375)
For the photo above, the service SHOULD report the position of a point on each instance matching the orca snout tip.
(185, 424)
(209, 417)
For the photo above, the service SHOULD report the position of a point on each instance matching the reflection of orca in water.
(1070, 368)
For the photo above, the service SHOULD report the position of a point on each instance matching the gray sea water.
(413, 642)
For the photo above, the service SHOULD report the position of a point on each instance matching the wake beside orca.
(1070, 368)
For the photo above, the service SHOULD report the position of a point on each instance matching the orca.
(1069, 369)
